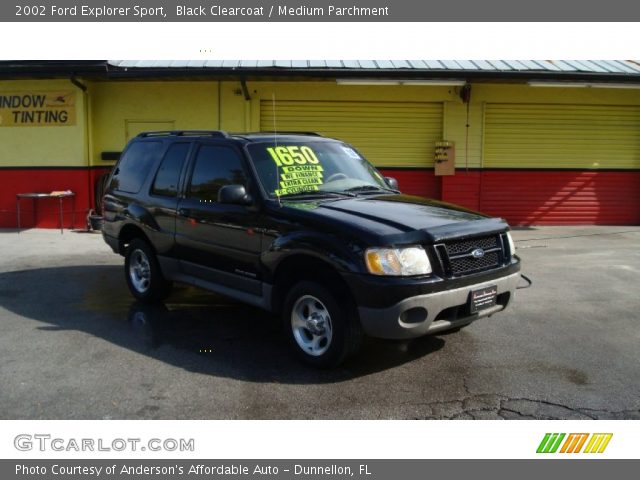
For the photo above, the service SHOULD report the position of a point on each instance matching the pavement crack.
(493, 406)
(466, 386)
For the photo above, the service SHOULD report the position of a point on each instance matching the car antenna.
(275, 141)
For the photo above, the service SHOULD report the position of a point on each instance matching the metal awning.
(631, 67)
(625, 71)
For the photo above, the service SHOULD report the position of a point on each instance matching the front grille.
(457, 258)
(460, 266)
(467, 246)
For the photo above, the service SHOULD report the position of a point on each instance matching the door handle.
(184, 212)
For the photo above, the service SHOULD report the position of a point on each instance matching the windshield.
(294, 168)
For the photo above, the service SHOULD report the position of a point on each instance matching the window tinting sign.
(37, 109)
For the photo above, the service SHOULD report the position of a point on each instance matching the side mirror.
(391, 182)
(234, 194)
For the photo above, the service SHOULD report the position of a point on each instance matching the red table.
(36, 196)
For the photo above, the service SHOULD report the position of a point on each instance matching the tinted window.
(214, 168)
(166, 182)
(134, 166)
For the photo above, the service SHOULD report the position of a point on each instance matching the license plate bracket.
(483, 298)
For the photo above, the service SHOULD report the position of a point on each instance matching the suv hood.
(395, 218)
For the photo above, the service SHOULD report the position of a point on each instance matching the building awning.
(469, 70)
(630, 67)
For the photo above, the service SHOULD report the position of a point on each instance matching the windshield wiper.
(371, 188)
(315, 193)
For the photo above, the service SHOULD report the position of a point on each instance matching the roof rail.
(185, 133)
(315, 134)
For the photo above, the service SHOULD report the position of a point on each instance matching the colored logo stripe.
(550, 443)
(574, 443)
(597, 443)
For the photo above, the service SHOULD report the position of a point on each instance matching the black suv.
(305, 227)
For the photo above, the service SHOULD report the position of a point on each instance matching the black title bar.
(319, 11)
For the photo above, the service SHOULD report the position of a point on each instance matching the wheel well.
(127, 234)
(306, 267)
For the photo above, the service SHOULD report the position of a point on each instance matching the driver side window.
(215, 167)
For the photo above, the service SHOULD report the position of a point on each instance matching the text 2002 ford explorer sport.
(304, 226)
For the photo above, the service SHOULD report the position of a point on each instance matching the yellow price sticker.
(300, 169)
(298, 189)
(303, 168)
(299, 175)
(293, 155)
(300, 182)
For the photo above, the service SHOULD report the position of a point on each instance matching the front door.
(218, 242)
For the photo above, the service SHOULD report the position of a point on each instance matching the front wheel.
(319, 330)
(142, 270)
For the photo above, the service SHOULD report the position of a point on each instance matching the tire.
(142, 271)
(321, 330)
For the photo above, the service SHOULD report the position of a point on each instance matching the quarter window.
(166, 182)
(134, 166)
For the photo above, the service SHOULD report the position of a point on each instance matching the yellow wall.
(330, 90)
(468, 141)
(482, 94)
(194, 105)
(185, 103)
(391, 125)
(235, 114)
(44, 145)
(189, 105)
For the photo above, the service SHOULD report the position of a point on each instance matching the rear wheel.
(143, 274)
(321, 329)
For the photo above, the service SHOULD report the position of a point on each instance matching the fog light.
(414, 315)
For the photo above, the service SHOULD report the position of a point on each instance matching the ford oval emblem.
(477, 253)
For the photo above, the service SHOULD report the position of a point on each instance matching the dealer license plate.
(483, 298)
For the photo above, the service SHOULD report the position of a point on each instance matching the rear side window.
(215, 167)
(166, 182)
(134, 166)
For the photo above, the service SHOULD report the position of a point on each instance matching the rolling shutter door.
(389, 134)
(562, 164)
(562, 136)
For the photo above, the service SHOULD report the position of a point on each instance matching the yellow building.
(535, 142)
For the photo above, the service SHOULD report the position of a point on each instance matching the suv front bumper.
(434, 312)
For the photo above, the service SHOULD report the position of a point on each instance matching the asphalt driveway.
(74, 344)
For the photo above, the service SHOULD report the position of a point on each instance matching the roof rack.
(185, 133)
(314, 134)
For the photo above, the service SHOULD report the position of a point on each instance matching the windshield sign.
(313, 167)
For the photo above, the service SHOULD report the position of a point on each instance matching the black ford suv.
(303, 226)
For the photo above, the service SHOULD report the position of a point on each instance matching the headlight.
(512, 246)
(397, 261)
